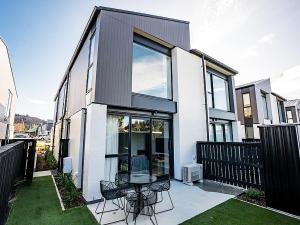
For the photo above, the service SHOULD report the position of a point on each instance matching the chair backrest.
(108, 190)
(150, 197)
(139, 164)
(122, 178)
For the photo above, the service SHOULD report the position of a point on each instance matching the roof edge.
(213, 60)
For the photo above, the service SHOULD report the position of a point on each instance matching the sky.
(258, 38)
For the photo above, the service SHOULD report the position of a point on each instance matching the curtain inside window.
(112, 143)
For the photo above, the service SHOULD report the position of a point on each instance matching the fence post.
(30, 161)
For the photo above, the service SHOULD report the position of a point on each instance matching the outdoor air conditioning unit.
(192, 173)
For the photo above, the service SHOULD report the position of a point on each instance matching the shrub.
(70, 192)
(254, 193)
(52, 163)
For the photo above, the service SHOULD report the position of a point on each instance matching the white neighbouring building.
(135, 89)
(8, 94)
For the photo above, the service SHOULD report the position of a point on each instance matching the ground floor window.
(134, 141)
(220, 131)
(249, 132)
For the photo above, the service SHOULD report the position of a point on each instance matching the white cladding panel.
(94, 154)
(6, 85)
(76, 145)
(190, 119)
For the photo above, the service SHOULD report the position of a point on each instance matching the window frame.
(211, 73)
(247, 106)
(265, 104)
(8, 105)
(92, 41)
(287, 116)
(280, 108)
(154, 46)
(215, 122)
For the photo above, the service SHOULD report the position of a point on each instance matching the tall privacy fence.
(16, 165)
(235, 163)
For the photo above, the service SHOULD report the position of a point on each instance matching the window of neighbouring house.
(117, 145)
(8, 105)
(151, 72)
(289, 116)
(220, 131)
(265, 105)
(217, 91)
(280, 106)
(91, 62)
(249, 132)
(247, 105)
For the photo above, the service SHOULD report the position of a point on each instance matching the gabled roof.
(291, 103)
(213, 60)
(250, 83)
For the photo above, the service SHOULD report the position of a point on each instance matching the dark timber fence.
(235, 163)
(16, 165)
(280, 145)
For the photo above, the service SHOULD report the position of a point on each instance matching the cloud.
(35, 101)
(253, 50)
(267, 39)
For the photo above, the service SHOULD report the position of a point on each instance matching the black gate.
(280, 145)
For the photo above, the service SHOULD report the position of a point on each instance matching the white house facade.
(134, 89)
(292, 108)
(8, 94)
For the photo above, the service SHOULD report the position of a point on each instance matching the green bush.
(52, 163)
(254, 193)
(71, 194)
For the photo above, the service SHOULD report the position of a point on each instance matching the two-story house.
(8, 94)
(258, 105)
(292, 108)
(134, 88)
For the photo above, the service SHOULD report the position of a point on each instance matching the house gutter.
(205, 97)
(83, 147)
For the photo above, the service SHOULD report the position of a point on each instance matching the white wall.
(242, 132)
(256, 131)
(190, 120)
(55, 148)
(94, 156)
(6, 84)
(274, 109)
(76, 145)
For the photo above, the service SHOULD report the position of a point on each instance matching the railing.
(235, 163)
(251, 140)
(16, 164)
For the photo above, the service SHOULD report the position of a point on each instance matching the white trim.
(58, 194)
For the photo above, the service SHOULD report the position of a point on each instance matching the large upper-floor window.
(8, 105)
(289, 116)
(151, 72)
(217, 91)
(91, 62)
(265, 105)
(220, 131)
(247, 105)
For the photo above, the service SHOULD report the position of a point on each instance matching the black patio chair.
(139, 164)
(110, 191)
(144, 206)
(163, 184)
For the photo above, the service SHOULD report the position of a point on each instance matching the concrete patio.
(189, 201)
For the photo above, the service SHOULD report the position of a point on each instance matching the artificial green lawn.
(38, 204)
(235, 212)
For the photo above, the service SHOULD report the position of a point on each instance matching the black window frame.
(247, 106)
(211, 73)
(287, 116)
(213, 123)
(265, 103)
(280, 108)
(147, 43)
(90, 65)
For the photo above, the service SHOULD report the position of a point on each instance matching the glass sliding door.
(117, 145)
(160, 143)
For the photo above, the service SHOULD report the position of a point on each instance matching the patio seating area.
(189, 201)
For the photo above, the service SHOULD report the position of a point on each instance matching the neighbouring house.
(44, 129)
(134, 88)
(8, 94)
(258, 105)
(292, 108)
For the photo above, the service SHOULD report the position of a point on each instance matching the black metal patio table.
(138, 180)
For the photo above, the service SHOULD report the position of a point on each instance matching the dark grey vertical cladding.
(113, 82)
(231, 93)
(239, 105)
(114, 68)
(78, 76)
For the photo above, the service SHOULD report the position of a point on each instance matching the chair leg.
(102, 211)
(107, 212)
(97, 208)
(170, 208)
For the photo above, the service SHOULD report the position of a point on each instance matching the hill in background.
(28, 121)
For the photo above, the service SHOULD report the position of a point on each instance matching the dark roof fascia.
(140, 14)
(278, 96)
(85, 33)
(213, 60)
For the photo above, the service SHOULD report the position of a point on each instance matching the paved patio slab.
(189, 201)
